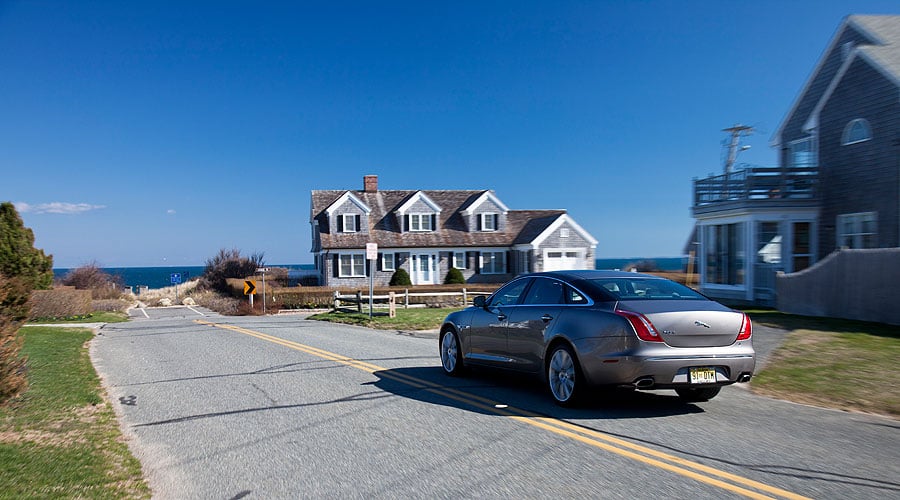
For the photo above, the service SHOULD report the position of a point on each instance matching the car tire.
(451, 354)
(697, 394)
(564, 378)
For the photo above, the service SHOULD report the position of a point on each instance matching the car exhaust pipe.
(745, 377)
(644, 383)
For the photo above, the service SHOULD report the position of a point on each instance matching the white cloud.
(171, 211)
(56, 207)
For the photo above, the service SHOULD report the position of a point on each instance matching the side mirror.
(479, 301)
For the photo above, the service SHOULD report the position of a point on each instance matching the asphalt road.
(278, 407)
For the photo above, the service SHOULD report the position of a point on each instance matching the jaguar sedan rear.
(603, 328)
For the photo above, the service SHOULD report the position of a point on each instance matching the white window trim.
(353, 257)
(564, 232)
(494, 218)
(351, 217)
(421, 218)
(385, 260)
(844, 137)
(481, 261)
(456, 263)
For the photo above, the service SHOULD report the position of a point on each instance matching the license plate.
(703, 376)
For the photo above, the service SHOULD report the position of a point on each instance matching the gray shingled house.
(427, 232)
(838, 180)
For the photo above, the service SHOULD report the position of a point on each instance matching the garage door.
(557, 260)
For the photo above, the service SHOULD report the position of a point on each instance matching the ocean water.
(160, 277)
(663, 263)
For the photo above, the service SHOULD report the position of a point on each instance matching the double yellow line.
(704, 474)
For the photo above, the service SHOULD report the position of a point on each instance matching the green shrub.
(454, 277)
(400, 278)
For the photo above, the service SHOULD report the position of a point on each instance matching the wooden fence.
(393, 298)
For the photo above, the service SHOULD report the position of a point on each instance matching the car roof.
(588, 274)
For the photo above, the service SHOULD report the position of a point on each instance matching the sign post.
(372, 256)
(175, 278)
(263, 271)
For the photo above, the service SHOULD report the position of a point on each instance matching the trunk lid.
(690, 323)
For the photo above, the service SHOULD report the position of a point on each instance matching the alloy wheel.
(561, 374)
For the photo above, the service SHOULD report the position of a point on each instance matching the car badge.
(700, 323)
(669, 332)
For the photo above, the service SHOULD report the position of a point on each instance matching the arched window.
(857, 130)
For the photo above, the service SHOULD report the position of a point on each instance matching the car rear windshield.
(638, 288)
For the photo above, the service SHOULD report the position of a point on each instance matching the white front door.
(424, 268)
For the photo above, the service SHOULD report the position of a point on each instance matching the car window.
(575, 297)
(545, 291)
(509, 294)
(642, 288)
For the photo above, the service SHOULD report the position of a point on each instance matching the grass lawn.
(832, 362)
(60, 438)
(416, 318)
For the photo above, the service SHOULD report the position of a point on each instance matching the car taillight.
(642, 326)
(746, 329)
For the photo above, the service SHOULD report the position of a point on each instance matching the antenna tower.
(734, 147)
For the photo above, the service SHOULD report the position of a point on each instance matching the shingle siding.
(474, 221)
(793, 127)
(861, 177)
(573, 242)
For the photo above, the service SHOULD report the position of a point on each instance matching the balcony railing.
(757, 183)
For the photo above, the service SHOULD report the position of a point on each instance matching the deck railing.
(757, 183)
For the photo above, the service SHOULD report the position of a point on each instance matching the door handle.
(546, 317)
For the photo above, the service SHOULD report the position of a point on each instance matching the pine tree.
(18, 257)
(23, 268)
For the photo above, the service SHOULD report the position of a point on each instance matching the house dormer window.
(857, 130)
(349, 223)
(421, 222)
(489, 222)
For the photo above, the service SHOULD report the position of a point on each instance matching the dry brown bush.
(60, 303)
(216, 302)
(153, 296)
(91, 277)
(14, 305)
(111, 305)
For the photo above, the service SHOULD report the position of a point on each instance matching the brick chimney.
(370, 183)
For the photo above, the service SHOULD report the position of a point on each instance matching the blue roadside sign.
(175, 278)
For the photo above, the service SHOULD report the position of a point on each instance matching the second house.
(428, 232)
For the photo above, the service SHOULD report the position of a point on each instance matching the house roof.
(885, 57)
(883, 51)
(522, 226)
(886, 30)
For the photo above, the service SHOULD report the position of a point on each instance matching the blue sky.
(156, 133)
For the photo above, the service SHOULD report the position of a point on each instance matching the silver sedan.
(602, 328)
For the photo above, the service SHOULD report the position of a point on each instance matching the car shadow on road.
(495, 392)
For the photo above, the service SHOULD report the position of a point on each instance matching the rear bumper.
(649, 366)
